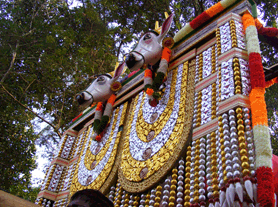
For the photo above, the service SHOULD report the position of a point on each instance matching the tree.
(272, 112)
(47, 53)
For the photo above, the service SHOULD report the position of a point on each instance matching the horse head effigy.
(149, 48)
(102, 89)
(149, 51)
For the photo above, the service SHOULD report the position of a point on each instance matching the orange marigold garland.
(99, 106)
(166, 54)
(203, 18)
(152, 85)
(215, 9)
(148, 73)
(247, 21)
(101, 120)
(112, 99)
(149, 91)
(258, 107)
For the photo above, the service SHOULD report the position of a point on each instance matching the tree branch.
(37, 115)
(62, 108)
(11, 64)
(119, 50)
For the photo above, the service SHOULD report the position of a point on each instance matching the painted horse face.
(99, 90)
(149, 48)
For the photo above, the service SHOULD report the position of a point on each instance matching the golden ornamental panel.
(97, 165)
(154, 137)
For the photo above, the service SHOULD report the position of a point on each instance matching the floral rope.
(101, 120)
(271, 82)
(203, 18)
(259, 115)
(267, 31)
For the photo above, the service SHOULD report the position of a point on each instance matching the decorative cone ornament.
(249, 188)
(239, 191)
(255, 192)
(230, 195)
(222, 197)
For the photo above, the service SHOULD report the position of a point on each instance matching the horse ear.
(165, 27)
(118, 71)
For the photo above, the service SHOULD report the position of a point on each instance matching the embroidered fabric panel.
(227, 79)
(67, 148)
(225, 37)
(55, 178)
(241, 43)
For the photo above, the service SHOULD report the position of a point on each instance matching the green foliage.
(272, 112)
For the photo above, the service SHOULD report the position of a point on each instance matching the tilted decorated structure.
(199, 138)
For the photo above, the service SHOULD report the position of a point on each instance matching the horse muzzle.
(130, 60)
(81, 99)
(134, 60)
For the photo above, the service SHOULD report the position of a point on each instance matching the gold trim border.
(137, 187)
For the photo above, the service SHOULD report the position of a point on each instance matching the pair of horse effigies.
(187, 128)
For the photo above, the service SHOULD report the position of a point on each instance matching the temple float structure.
(199, 139)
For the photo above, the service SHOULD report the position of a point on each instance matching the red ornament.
(115, 86)
(153, 102)
(98, 137)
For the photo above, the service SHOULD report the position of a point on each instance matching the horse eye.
(147, 36)
(100, 79)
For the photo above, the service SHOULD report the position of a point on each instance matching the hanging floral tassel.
(222, 197)
(101, 121)
(152, 85)
(248, 186)
(239, 191)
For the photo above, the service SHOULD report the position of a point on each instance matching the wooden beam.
(9, 200)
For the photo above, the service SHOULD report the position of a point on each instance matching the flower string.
(259, 114)
(203, 18)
